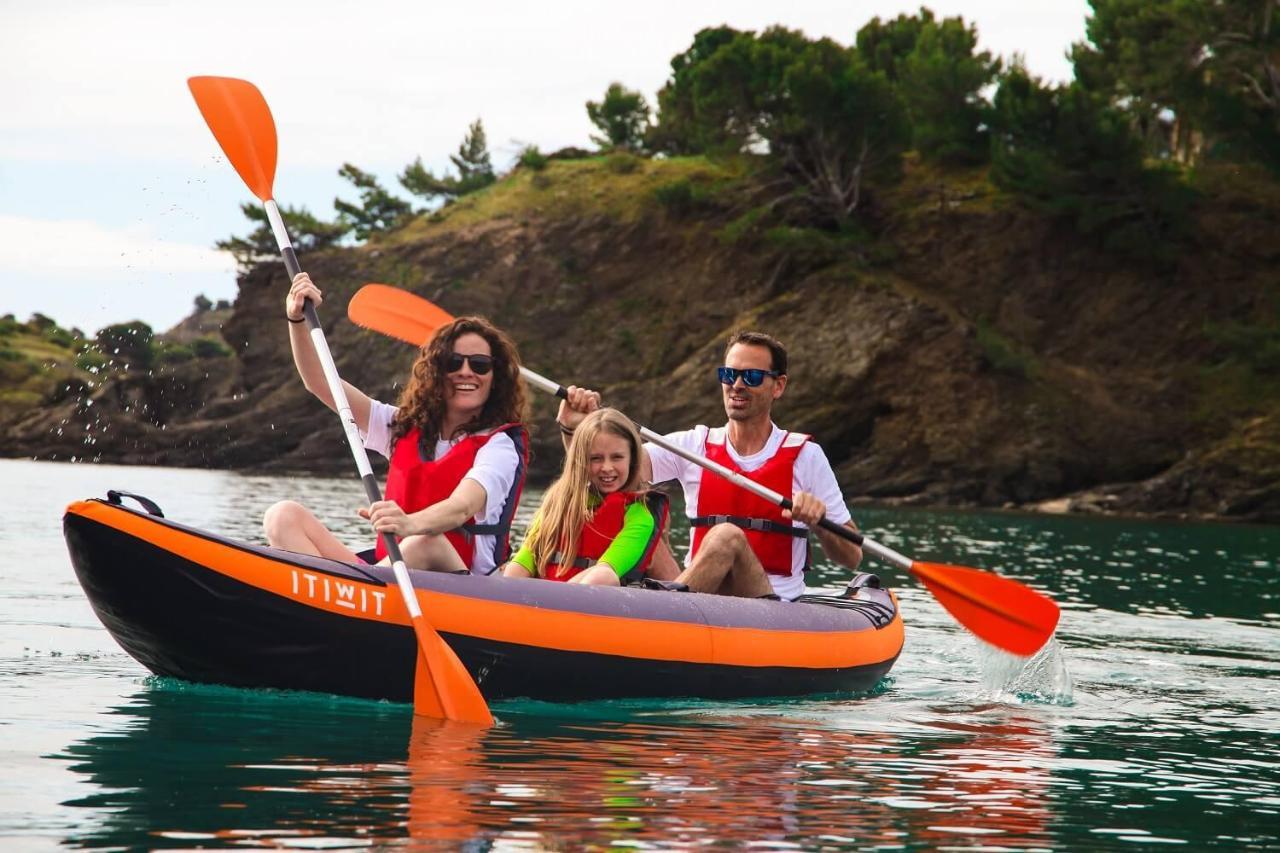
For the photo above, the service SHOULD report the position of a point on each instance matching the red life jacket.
(416, 483)
(769, 533)
(605, 524)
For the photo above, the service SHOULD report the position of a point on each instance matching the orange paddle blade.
(240, 120)
(397, 313)
(442, 687)
(1003, 612)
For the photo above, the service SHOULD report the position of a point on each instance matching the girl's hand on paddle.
(300, 291)
(807, 509)
(388, 517)
(580, 403)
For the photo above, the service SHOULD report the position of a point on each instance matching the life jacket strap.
(765, 525)
(578, 562)
(484, 529)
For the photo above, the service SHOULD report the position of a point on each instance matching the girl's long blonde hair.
(557, 526)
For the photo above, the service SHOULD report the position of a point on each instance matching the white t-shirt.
(812, 474)
(494, 469)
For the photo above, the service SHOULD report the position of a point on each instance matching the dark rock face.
(997, 362)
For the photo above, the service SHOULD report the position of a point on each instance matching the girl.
(457, 447)
(596, 525)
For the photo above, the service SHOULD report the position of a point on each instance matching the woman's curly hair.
(422, 404)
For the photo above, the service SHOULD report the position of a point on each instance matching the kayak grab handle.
(114, 497)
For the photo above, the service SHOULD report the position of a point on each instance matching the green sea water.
(1152, 721)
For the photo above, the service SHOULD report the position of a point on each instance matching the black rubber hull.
(183, 617)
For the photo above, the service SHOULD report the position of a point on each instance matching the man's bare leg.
(726, 565)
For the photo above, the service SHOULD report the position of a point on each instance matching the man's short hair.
(777, 352)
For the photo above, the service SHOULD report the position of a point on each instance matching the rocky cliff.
(971, 353)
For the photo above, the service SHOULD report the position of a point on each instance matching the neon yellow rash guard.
(622, 555)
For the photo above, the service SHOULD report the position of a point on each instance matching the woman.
(596, 525)
(457, 448)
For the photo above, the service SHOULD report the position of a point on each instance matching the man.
(742, 544)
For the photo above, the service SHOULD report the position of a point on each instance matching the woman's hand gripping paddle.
(240, 120)
(1003, 612)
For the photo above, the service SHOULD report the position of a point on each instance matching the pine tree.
(622, 117)
(378, 210)
(472, 162)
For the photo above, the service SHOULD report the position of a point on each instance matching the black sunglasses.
(480, 364)
(752, 377)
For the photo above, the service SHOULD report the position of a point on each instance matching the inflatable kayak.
(205, 608)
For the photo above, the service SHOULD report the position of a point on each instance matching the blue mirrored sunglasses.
(751, 377)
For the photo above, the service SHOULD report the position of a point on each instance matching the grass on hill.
(34, 362)
(619, 185)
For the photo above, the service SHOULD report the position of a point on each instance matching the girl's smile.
(609, 462)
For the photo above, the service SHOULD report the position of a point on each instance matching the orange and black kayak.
(201, 607)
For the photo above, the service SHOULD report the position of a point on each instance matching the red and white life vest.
(719, 501)
(605, 524)
(416, 483)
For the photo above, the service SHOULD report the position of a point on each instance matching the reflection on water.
(297, 770)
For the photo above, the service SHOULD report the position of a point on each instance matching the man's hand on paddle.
(580, 403)
(806, 509)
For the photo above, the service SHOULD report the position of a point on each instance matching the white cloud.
(78, 248)
(88, 275)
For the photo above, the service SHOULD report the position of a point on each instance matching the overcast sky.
(112, 189)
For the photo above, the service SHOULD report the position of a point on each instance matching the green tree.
(885, 45)
(307, 233)
(827, 122)
(689, 120)
(830, 122)
(940, 79)
(622, 118)
(1199, 77)
(1067, 153)
(203, 303)
(378, 209)
(472, 162)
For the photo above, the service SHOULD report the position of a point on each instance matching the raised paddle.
(241, 122)
(1003, 612)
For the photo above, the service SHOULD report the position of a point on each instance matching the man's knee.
(727, 536)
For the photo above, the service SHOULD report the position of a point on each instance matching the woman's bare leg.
(291, 526)
(432, 553)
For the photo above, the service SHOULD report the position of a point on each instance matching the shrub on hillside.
(533, 159)
(682, 196)
(208, 347)
(130, 344)
(59, 336)
(173, 353)
(90, 360)
(622, 163)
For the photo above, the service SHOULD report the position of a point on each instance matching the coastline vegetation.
(821, 130)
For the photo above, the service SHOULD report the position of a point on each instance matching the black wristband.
(299, 320)
(564, 429)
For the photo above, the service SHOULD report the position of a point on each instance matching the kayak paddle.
(1003, 612)
(240, 120)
